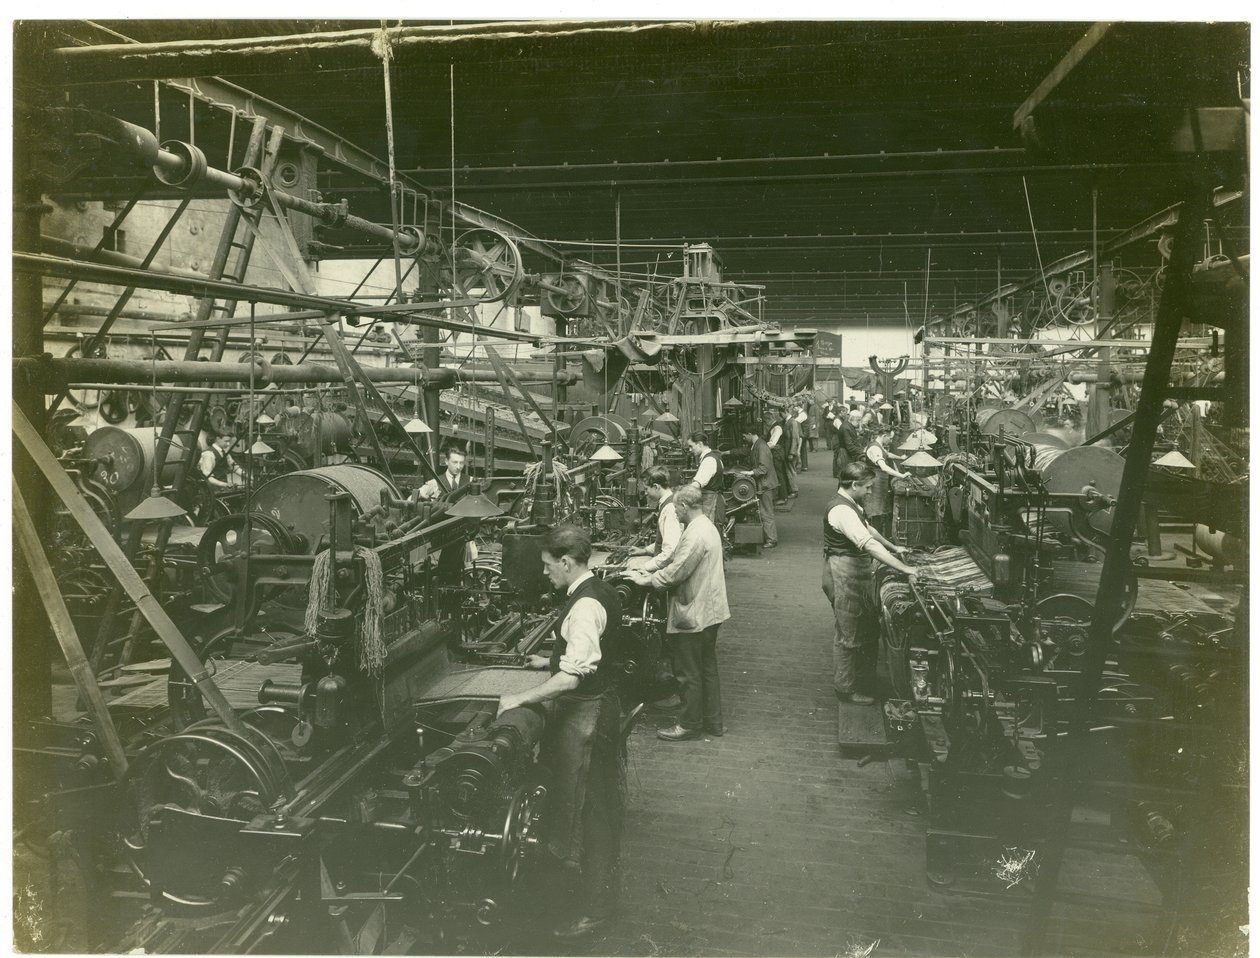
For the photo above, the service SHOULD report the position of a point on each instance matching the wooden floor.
(769, 842)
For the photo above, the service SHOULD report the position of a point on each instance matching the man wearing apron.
(878, 502)
(849, 544)
(708, 479)
(582, 746)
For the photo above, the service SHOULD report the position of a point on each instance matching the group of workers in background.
(583, 745)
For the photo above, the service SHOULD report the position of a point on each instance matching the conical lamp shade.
(260, 448)
(923, 460)
(416, 427)
(606, 453)
(666, 417)
(734, 403)
(475, 505)
(885, 405)
(263, 420)
(156, 506)
(1173, 460)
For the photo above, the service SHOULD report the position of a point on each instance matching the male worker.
(218, 467)
(848, 447)
(656, 484)
(778, 450)
(803, 424)
(767, 484)
(708, 478)
(792, 428)
(848, 581)
(454, 477)
(697, 606)
(582, 744)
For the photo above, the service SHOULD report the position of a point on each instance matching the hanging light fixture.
(416, 427)
(1174, 460)
(264, 420)
(923, 460)
(260, 448)
(606, 453)
(475, 505)
(734, 403)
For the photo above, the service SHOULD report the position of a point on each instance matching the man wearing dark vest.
(582, 745)
(848, 581)
(218, 467)
(708, 479)
(668, 530)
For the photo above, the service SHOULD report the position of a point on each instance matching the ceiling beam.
(1080, 50)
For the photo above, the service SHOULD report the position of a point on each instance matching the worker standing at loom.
(849, 546)
(582, 745)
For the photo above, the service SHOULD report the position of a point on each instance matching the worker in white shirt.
(668, 529)
(582, 745)
(709, 477)
(218, 467)
(452, 479)
(878, 504)
(849, 545)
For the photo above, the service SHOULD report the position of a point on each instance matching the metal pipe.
(54, 373)
(240, 292)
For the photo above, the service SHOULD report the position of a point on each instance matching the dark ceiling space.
(860, 171)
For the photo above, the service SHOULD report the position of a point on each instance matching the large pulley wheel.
(488, 266)
(590, 433)
(520, 826)
(207, 769)
(226, 539)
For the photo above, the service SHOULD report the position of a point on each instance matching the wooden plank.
(67, 636)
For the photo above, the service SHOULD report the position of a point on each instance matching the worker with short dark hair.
(582, 744)
(454, 477)
(656, 484)
(767, 485)
(848, 581)
(218, 467)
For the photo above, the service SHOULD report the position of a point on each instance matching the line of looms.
(300, 750)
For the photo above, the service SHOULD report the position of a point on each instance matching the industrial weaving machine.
(984, 649)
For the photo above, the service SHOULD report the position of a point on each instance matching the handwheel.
(519, 827)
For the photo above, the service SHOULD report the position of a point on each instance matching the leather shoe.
(717, 731)
(580, 927)
(855, 698)
(770, 545)
(676, 733)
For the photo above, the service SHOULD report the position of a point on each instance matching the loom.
(368, 776)
(986, 648)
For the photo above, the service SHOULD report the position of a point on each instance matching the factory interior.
(630, 487)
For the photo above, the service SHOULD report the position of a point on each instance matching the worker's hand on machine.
(640, 551)
(910, 571)
(538, 662)
(506, 704)
(900, 550)
(638, 576)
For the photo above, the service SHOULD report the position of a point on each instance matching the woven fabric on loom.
(948, 567)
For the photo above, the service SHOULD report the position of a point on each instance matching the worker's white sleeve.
(705, 472)
(845, 521)
(582, 629)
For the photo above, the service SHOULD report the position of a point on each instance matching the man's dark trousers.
(695, 665)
